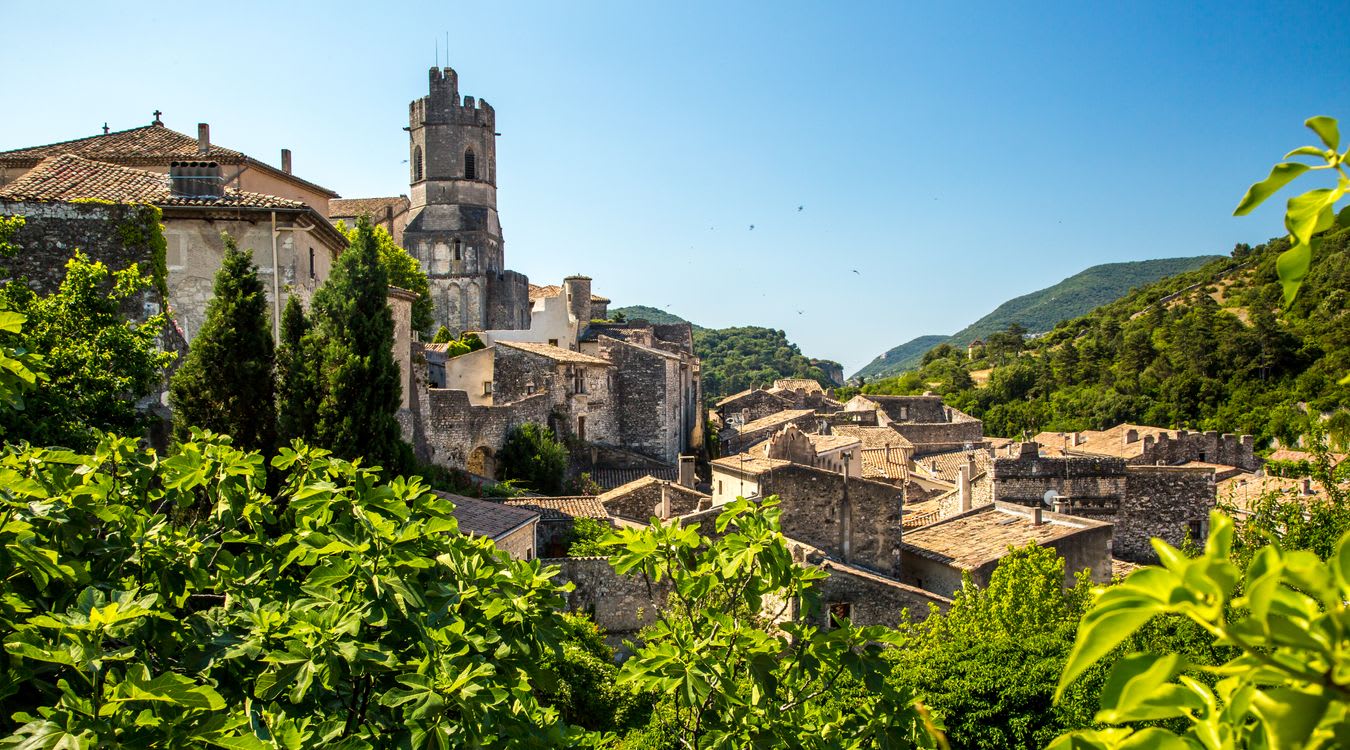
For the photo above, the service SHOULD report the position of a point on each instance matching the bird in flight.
(752, 227)
(856, 271)
(799, 208)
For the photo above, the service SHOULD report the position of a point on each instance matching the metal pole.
(276, 286)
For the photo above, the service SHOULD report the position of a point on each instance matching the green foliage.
(20, 369)
(588, 538)
(351, 342)
(1040, 310)
(1285, 614)
(443, 336)
(297, 377)
(467, 342)
(532, 457)
(649, 314)
(225, 383)
(403, 271)
(1310, 213)
(728, 679)
(171, 602)
(141, 229)
(97, 363)
(734, 359)
(987, 667)
(587, 693)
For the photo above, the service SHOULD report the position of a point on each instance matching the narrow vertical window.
(311, 263)
(470, 165)
(417, 163)
(459, 253)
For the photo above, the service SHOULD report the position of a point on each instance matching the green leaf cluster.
(174, 602)
(533, 459)
(733, 668)
(1285, 615)
(403, 271)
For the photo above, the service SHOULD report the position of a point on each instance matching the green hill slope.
(1207, 349)
(741, 357)
(1039, 311)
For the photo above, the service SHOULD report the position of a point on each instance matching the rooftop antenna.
(437, 42)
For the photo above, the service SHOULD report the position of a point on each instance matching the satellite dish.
(1050, 497)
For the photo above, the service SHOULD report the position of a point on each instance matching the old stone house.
(511, 528)
(935, 557)
(292, 243)
(924, 421)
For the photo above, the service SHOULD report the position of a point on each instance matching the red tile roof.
(68, 177)
(341, 208)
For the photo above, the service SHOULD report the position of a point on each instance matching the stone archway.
(482, 462)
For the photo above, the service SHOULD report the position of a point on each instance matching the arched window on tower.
(470, 165)
(417, 164)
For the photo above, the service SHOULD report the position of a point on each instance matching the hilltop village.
(897, 497)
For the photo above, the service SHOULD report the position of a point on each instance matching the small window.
(487, 387)
(311, 263)
(459, 250)
(839, 612)
(417, 163)
(470, 165)
(552, 342)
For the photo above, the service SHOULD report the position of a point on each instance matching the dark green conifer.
(352, 343)
(297, 377)
(225, 383)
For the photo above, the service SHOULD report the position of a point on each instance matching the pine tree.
(225, 383)
(297, 378)
(352, 343)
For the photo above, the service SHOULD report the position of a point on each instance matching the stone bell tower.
(453, 227)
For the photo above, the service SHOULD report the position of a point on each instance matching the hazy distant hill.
(738, 358)
(1041, 310)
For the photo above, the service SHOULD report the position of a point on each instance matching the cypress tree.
(225, 383)
(297, 378)
(352, 342)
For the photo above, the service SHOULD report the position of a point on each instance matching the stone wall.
(1209, 447)
(454, 428)
(519, 544)
(1168, 502)
(732, 441)
(640, 502)
(646, 397)
(859, 525)
(617, 603)
(52, 232)
(753, 405)
(940, 437)
(1094, 486)
(508, 301)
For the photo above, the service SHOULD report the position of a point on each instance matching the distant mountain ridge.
(1039, 311)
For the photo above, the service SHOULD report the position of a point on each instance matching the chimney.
(286, 160)
(664, 508)
(1036, 519)
(963, 488)
(1131, 436)
(1305, 486)
(687, 471)
(1062, 505)
(970, 465)
(203, 137)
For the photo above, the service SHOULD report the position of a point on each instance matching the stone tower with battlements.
(453, 227)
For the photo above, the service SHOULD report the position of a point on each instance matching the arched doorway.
(481, 462)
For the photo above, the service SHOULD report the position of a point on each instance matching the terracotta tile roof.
(538, 291)
(775, 419)
(1121, 568)
(978, 537)
(68, 177)
(796, 384)
(612, 478)
(489, 519)
(1109, 442)
(341, 208)
(629, 487)
(555, 353)
(149, 145)
(827, 443)
(749, 464)
(877, 465)
(943, 466)
(1243, 490)
(561, 508)
(1286, 454)
(874, 437)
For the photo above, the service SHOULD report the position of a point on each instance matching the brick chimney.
(286, 160)
(203, 137)
(1036, 518)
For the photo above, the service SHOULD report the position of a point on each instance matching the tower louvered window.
(417, 163)
(470, 165)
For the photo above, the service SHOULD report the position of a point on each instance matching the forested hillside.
(1206, 349)
(1041, 310)
(737, 358)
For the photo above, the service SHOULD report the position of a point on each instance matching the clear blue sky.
(955, 154)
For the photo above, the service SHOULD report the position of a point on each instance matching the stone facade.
(642, 499)
(1168, 502)
(619, 604)
(453, 228)
(924, 421)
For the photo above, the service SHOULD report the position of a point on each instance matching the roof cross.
(157, 113)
